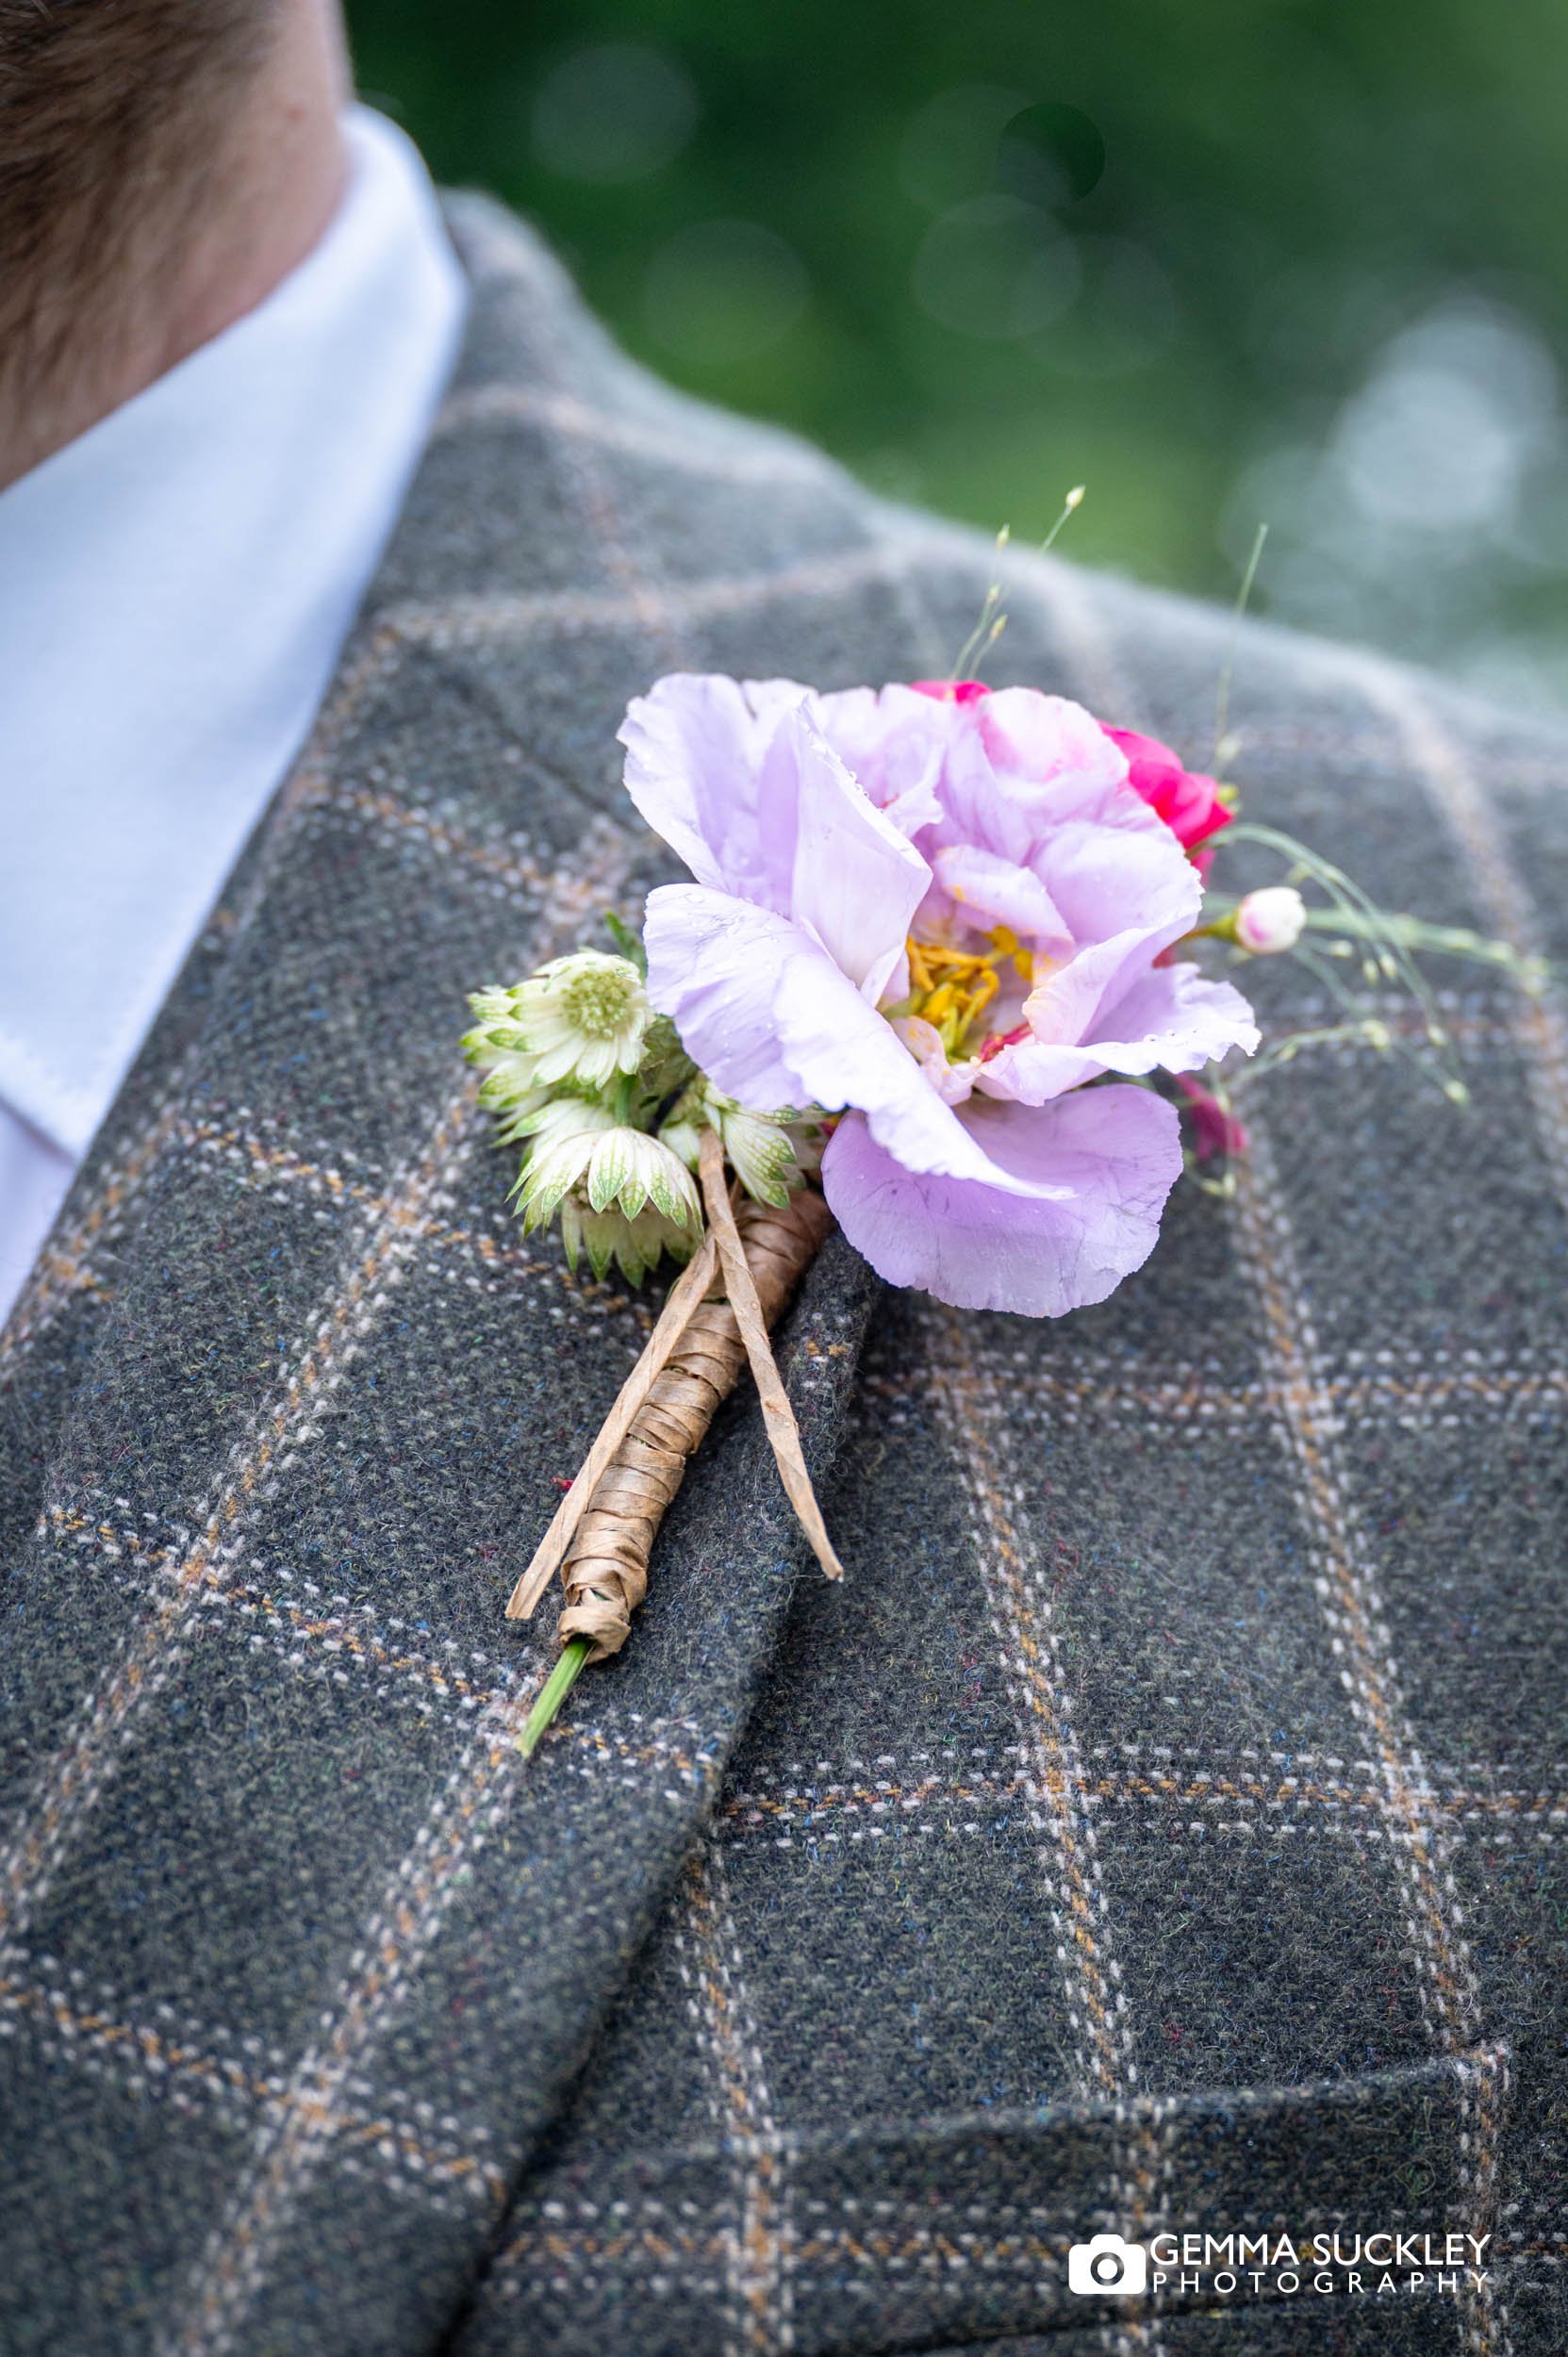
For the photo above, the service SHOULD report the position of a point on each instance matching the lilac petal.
(1173, 1019)
(987, 890)
(1021, 765)
(892, 745)
(953, 1082)
(1099, 1163)
(855, 881)
(1119, 871)
(1029, 735)
(747, 790)
(1068, 1006)
(771, 1020)
(1001, 815)
(1179, 1019)
(1127, 893)
(1036, 1071)
(694, 755)
(915, 807)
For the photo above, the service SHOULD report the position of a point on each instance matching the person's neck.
(268, 192)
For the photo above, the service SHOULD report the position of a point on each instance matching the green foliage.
(1251, 195)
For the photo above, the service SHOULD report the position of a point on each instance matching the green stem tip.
(557, 1686)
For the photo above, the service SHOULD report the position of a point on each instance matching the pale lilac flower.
(943, 919)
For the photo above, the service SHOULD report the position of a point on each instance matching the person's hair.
(110, 111)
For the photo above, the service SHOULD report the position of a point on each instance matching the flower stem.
(557, 1686)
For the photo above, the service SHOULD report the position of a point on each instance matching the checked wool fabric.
(1162, 1829)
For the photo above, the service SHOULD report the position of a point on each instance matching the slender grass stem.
(1222, 691)
(557, 1686)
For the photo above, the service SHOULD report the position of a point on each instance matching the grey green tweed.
(1163, 1826)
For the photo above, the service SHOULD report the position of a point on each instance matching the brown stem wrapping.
(605, 1572)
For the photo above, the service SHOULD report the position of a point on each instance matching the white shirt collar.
(175, 587)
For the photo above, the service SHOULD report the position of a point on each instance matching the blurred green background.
(1252, 259)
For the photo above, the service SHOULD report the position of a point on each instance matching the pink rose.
(1187, 800)
(952, 691)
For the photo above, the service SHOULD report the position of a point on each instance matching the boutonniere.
(943, 974)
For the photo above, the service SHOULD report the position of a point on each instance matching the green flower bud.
(763, 1149)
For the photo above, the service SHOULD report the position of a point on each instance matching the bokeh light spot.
(721, 291)
(1125, 317)
(995, 268)
(950, 146)
(1051, 154)
(617, 111)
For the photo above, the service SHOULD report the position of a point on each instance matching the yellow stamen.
(951, 988)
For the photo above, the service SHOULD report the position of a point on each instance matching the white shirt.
(175, 587)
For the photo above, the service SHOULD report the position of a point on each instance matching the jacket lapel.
(309, 1416)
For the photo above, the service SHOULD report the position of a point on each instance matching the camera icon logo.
(1105, 2266)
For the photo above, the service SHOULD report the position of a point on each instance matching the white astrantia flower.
(610, 1165)
(504, 1092)
(565, 1133)
(544, 1114)
(610, 1236)
(582, 1018)
(490, 1006)
(495, 1045)
(629, 1168)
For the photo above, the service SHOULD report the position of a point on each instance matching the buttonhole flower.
(610, 1237)
(946, 919)
(608, 1163)
(589, 1159)
(582, 1018)
(495, 1045)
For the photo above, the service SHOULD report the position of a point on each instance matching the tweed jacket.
(1162, 1827)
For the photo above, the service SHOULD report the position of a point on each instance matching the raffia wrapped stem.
(606, 1570)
